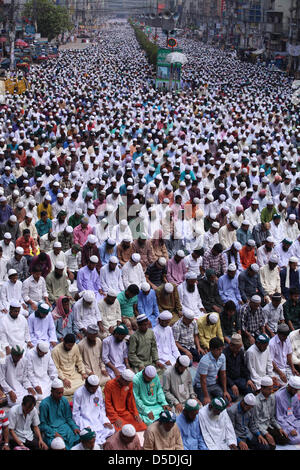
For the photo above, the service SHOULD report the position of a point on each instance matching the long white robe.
(259, 364)
(217, 431)
(133, 275)
(14, 331)
(111, 279)
(191, 300)
(14, 378)
(89, 411)
(10, 291)
(115, 353)
(41, 371)
(85, 316)
(166, 346)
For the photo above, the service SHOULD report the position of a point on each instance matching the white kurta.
(191, 300)
(85, 316)
(217, 430)
(14, 331)
(111, 279)
(259, 364)
(166, 346)
(114, 352)
(10, 291)
(41, 371)
(89, 411)
(133, 274)
(14, 378)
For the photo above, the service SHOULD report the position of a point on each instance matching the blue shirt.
(210, 367)
(229, 289)
(191, 434)
(104, 255)
(147, 304)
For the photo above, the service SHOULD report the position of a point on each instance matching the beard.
(191, 288)
(58, 276)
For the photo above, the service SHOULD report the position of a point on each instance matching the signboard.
(167, 75)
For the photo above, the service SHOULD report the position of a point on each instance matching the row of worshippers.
(254, 422)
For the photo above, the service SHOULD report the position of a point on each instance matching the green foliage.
(149, 47)
(51, 19)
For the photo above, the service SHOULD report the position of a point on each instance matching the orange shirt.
(28, 247)
(247, 257)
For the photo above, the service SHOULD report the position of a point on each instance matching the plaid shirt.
(185, 335)
(252, 321)
(217, 263)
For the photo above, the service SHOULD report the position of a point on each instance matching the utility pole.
(12, 32)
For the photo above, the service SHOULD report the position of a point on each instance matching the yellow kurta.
(69, 366)
(207, 332)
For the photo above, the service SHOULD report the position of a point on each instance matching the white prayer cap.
(13, 218)
(292, 217)
(57, 383)
(145, 287)
(111, 242)
(112, 293)
(250, 399)
(136, 257)
(93, 380)
(60, 265)
(127, 375)
(20, 250)
(150, 371)
(294, 382)
(245, 222)
(255, 201)
(251, 242)
(191, 275)
(254, 267)
(293, 259)
(274, 259)
(57, 245)
(94, 259)
(213, 317)
(113, 259)
(91, 238)
(11, 272)
(69, 229)
(43, 346)
(15, 304)
(256, 299)
(270, 240)
(231, 267)
(180, 253)
(162, 261)
(215, 225)
(188, 313)
(169, 287)
(78, 211)
(48, 197)
(237, 246)
(58, 444)
(165, 315)
(128, 430)
(89, 296)
(184, 361)
(7, 235)
(142, 317)
(266, 381)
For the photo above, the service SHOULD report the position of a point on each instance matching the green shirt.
(266, 215)
(126, 304)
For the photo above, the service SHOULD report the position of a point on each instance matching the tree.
(51, 19)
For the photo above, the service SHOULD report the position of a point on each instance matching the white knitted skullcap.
(93, 380)
(128, 430)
